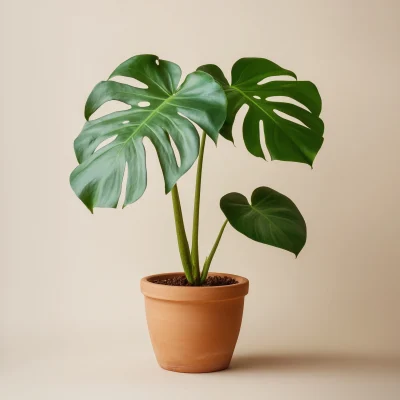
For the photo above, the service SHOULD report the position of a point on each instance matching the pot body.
(194, 329)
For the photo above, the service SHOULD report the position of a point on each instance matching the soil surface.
(182, 281)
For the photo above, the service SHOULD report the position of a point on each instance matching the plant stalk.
(183, 244)
(196, 213)
(207, 263)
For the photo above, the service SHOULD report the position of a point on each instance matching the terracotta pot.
(194, 329)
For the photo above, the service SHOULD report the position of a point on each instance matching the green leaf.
(271, 218)
(97, 181)
(298, 139)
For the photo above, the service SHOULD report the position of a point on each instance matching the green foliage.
(298, 139)
(97, 181)
(271, 218)
(289, 111)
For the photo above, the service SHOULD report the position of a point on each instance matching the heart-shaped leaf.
(97, 181)
(271, 218)
(292, 132)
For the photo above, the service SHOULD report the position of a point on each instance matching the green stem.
(207, 263)
(183, 244)
(196, 213)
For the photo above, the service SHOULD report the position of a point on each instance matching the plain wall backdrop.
(70, 279)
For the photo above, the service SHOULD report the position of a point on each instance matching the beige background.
(71, 311)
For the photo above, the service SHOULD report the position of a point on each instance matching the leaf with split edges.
(169, 115)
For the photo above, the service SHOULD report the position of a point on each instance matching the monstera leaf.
(161, 113)
(292, 132)
(271, 218)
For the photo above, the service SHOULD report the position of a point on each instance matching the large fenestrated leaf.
(97, 181)
(271, 218)
(298, 139)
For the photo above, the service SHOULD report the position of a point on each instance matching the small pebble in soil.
(182, 281)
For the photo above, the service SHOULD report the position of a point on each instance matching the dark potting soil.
(182, 281)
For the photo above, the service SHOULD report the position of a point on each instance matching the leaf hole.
(158, 61)
(126, 122)
(143, 104)
(257, 97)
(240, 116)
(123, 187)
(176, 152)
(289, 118)
(129, 81)
(108, 108)
(285, 99)
(276, 78)
(263, 141)
(106, 142)
(199, 130)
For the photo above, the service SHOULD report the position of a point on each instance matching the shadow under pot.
(194, 329)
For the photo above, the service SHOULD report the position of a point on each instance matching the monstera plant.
(166, 111)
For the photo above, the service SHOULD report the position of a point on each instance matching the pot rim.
(194, 293)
